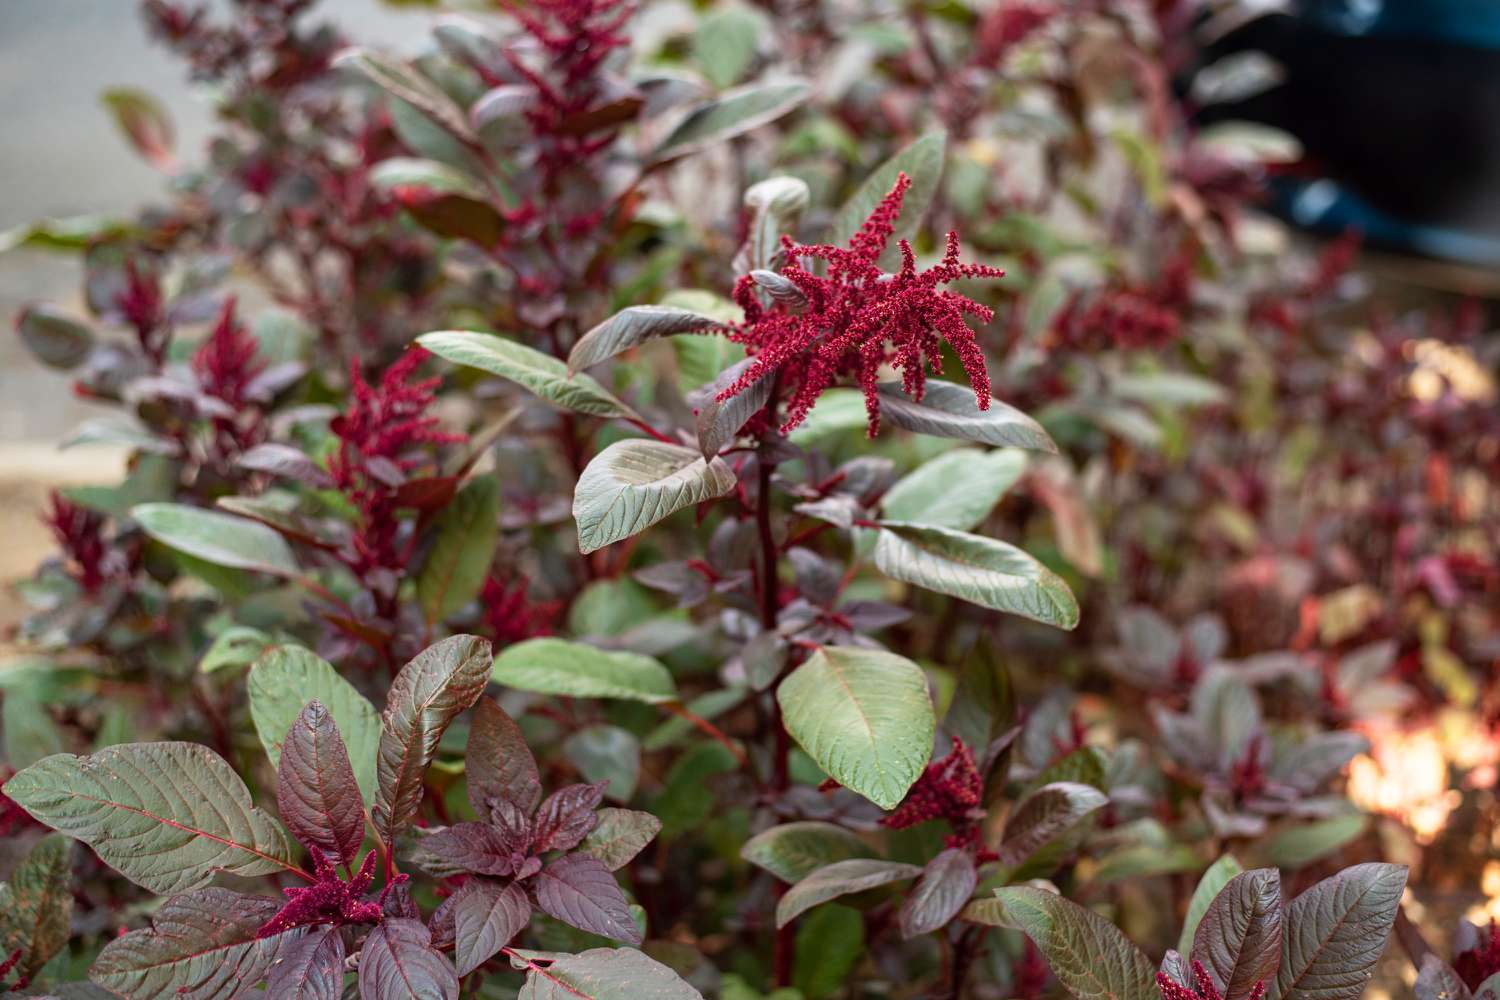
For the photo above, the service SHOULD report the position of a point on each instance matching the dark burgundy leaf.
(431, 493)
(945, 886)
(315, 787)
(1239, 937)
(486, 915)
(477, 847)
(498, 764)
(567, 816)
(398, 962)
(580, 891)
(310, 968)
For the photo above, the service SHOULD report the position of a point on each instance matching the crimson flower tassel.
(1171, 989)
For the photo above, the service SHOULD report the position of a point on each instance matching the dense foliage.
(593, 529)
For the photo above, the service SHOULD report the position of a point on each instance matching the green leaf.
(145, 123)
(633, 326)
(403, 80)
(220, 539)
(285, 680)
(200, 945)
(922, 161)
(957, 490)
(36, 905)
(1215, 878)
(55, 338)
(793, 851)
(429, 693)
(236, 646)
(556, 666)
(1088, 954)
(865, 716)
(30, 733)
(459, 561)
(407, 171)
(635, 483)
(541, 373)
(1336, 931)
(1239, 937)
(983, 704)
(619, 836)
(606, 753)
(599, 974)
(167, 816)
(982, 571)
(725, 42)
(949, 410)
(1302, 844)
(841, 878)
(736, 113)
(828, 947)
(1168, 388)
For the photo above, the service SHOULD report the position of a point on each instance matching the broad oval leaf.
(167, 816)
(316, 792)
(1168, 388)
(719, 421)
(404, 171)
(633, 326)
(1239, 937)
(983, 571)
(1335, 933)
(841, 878)
(922, 161)
(1045, 815)
(578, 890)
(865, 716)
(619, 836)
(946, 885)
(948, 410)
(429, 692)
(498, 765)
(600, 974)
(36, 905)
(57, 339)
(736, 113)
(957, 490)
(201, 945)
(1088, 954)
(398, 962)
(214, 537)
(486, 916)
(793, 851)
(1214, 879)
(541, 373)
(455, 569)
(556, 666)
(309, 968)
(285, 680)
(635, 483)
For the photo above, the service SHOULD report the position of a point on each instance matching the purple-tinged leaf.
(841, 878)
(578, 890)
(498, 764)
(145, 123)
(428, 693)
(486, 916)
(398, 962)
(309, 968)
(945, 886)
(479, 848)
(567, 817)
(1239, 937)
(315, 788)
(201, 945)
(288, 462)
(599, 974)
(36, 905)
(1335, 933)
(620, 835)
(1438, 981)
(1045, 815)
(55, 338)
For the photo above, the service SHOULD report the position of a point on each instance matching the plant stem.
(964, 953)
